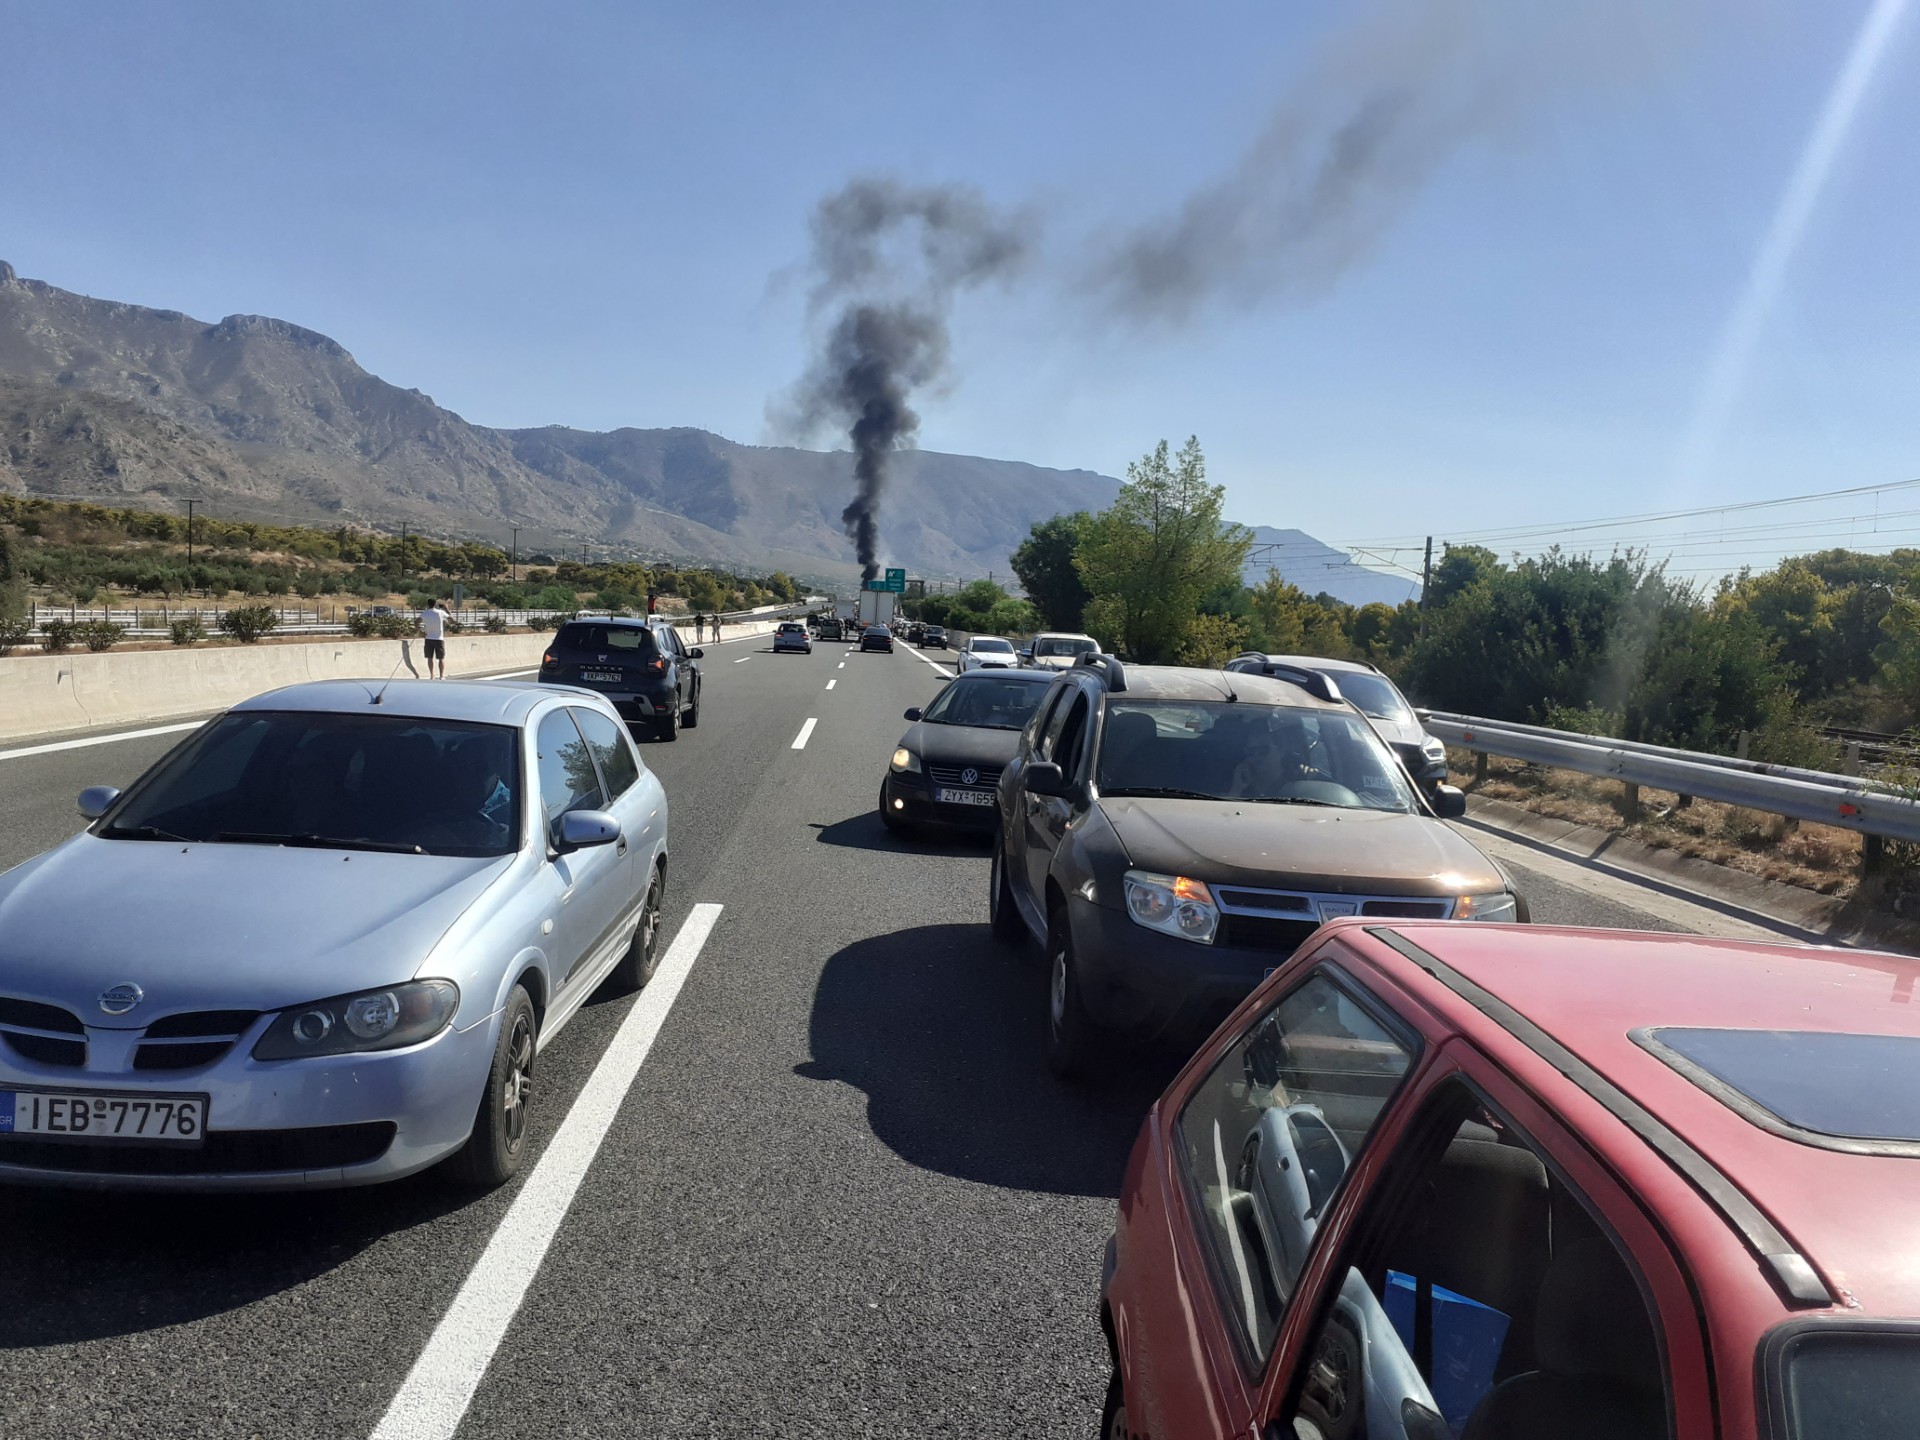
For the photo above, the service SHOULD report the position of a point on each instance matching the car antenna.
(406, 660)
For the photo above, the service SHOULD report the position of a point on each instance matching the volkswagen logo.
(121, 998)
(970, 776)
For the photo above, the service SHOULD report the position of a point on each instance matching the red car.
(1480, 1182)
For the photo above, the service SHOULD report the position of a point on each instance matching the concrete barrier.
(47, 694)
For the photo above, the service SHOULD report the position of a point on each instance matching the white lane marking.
(832, 683)
(800, 740)
(743, 660)
(918, 655)
(441, 1384)
(841, 666)
(87, 740)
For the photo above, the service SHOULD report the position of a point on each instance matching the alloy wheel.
(517, 1086)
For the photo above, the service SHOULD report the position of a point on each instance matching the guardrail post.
(1479, 767)
(1851, 765)
(1873, 855)
(1630, 800)
(1740, 746)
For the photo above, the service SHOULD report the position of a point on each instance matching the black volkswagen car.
(643, 666)
(949, 761)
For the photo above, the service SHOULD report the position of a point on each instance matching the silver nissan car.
(321, 941)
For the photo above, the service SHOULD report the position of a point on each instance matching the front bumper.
(1141, 982)
(293, 1124)
(918, 807)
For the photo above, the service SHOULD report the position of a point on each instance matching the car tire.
(1113, 1414)
(498, 1144)
(636, 967)
(1072, 1037)
(1003, 913)
(668, 726)
(692, 717)
(887, 816)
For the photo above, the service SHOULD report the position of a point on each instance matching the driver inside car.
(1276, 756)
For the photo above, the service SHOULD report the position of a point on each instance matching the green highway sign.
(896, 581)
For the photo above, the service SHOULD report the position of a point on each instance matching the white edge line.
(800, 740)
(438, 1389)
(921, 655)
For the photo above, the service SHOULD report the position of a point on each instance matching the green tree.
(1460, 568)
(1149, 559)
(13, 579)
(1045, 564)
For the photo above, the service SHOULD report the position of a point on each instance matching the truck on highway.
(876, 608)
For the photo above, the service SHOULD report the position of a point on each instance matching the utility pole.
(514, 560)
(190, 505)
(403, 552)
(1426, 584)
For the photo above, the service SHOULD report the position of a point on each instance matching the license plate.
(601, 677)
(93, 1115)
(964, 797)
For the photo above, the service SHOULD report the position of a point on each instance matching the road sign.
(896, 581)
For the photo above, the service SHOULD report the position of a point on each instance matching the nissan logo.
(969, 776)
(121, 998)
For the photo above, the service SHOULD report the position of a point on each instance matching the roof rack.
(1112, 672)
(1316, 683)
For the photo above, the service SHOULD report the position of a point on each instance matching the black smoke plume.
(887, 262)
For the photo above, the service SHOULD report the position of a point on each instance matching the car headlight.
(384, 1019)
(905, 759)
(1173, 905)
(1498, 906)
(1435, 752)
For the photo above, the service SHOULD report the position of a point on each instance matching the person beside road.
(433, 629)
(699, 627)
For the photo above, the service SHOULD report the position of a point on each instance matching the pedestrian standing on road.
(699, 623)
(433, 627)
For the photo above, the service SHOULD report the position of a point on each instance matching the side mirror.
(1043, 777)
(1449, 801)
(95, 800)
(914, 713)
(582, 828)
(696, 652)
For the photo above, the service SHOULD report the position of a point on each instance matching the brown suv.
(1172, 835)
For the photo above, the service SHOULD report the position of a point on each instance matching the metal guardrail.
(1811, 795)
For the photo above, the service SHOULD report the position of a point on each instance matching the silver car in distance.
(322, 940)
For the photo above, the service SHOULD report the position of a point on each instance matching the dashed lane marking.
(743, 660)
(800, 740)
(443, 1380)
(832, 683)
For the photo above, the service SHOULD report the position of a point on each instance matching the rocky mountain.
(1317, 567)
(258, 416)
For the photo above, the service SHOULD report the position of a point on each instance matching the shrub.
(395, 627)
(57, 634)
(247, 623)
(14, 633)
(496, 624)
(539, 622)
(98, 635)
(363, 625)
(187, 630)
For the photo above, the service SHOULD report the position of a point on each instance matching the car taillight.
(656, 665)
(547, 659)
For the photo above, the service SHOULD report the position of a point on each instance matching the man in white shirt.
(433, 626)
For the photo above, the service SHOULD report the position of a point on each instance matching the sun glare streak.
(1734, 355)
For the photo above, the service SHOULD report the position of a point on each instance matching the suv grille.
(1408, 909)
(1258, 932)
(43, 1033)
(182, 1042)
(986, 776)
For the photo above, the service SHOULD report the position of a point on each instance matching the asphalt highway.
(841, 1197)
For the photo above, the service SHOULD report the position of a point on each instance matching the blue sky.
(582, 214)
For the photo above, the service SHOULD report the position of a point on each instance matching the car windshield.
(1374, 694)
(1223, 750)
(990, 702)
(1062, 645)
(350, 782)
(618, 640)
(987, 642)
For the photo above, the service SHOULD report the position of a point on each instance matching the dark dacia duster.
(643, 666)
(1172, 835)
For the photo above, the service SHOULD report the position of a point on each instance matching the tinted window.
(567, 778)
(621, 640)
(1374, 694)
(1856, 1087)
(1060, 645)
(1483, 1300)
(309, 778)
(999, 647)
(1269, 1136)
(1852, 1385)
(1239, 751)
(992, 702)
(612, 750)
(1066, 749)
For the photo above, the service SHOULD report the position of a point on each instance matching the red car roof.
(1850, 1214)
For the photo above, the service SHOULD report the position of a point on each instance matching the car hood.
(961, 744)
(1300, 847)
(222, 926)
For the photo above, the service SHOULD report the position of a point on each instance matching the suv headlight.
(1498, 906)
(384, 1019)
(1435, 752)
(1173, 905)
(905, 759)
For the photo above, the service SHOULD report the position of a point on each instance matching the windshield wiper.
(315, 842)
(142, 832)
(1297, 800)
(1161, 792)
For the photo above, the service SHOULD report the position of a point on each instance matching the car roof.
(1322, 662)
(1064, 635)
(1008, 672)
(1593, 991)
(1179, 682)
(494, 702)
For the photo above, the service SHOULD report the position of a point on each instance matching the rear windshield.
(634, 640)
(1374, 694)
(1849, 1087)
(1851, 1384)
(314, 780)
(1062, 645)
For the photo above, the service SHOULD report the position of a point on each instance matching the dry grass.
(1819, 858)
